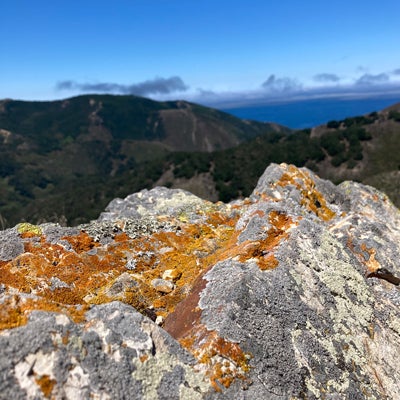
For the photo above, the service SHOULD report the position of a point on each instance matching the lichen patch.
(312, 199)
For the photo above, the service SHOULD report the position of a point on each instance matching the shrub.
(339, 159)
(332, 143)
(351, 164)
(333, 124)
(394, 115)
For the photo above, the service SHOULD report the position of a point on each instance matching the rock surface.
(292, 293)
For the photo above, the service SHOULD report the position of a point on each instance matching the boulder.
(292, 293)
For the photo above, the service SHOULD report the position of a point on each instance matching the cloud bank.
(150, 87)
(285, 89)
(273, 89)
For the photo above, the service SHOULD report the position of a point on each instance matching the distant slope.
(364, 148)
(177, 126)
(76, 174)
(61, 156)
(378, 162)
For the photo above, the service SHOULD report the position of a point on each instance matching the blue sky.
(210, 51)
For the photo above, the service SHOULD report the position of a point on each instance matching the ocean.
(310, 113)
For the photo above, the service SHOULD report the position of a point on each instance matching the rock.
(163, 286)
(11, 244)
(116, 354)
(171, 275)
(159, 201)
(292, 293)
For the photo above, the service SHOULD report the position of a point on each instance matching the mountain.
(64, 161)
(51, 152)
(121, 121)
(292, 293)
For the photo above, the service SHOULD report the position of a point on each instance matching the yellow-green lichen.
(352, 306)
(149, 369)
(27, 228)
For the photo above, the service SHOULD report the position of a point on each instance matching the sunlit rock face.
(291, 293)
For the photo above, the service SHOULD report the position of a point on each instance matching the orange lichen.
(15, 278)
(187, 342)
(27, 235)
(235, 363)
(216, 219)
(88, 278)
(311, 198)
(372, 264)
(63, 295)
(121, 237)
(190, 253)
(46, 384)
(223, 360)
(262, 250)
(65, 338)
(268, 262)
(84, 278)
(11, 315)
(374, 269)
(15, 310)
(81, 242)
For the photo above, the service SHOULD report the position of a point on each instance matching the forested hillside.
(71, 177)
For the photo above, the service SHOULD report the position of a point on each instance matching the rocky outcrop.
(292, 293)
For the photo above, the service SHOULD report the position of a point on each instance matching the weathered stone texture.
(290, 294)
